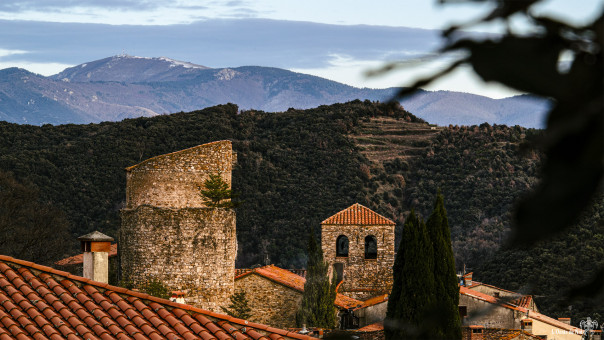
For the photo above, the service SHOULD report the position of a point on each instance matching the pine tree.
(217, 193)
(317, 308)
(239, 307)
(445, 279)
(413, 292)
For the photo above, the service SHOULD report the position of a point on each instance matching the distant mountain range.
(123, 86)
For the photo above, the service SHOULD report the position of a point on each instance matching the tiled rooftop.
(374, 327)
(530, 314)
(374, 301)
(291, 280)
(503, 334)
(523, 301)
(488, 298)
(358, 214)
(38, 302)
(79, 259)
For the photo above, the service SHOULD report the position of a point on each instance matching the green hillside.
(298, 167)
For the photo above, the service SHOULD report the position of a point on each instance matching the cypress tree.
(317, 308)
(445, 279)
(413, 292)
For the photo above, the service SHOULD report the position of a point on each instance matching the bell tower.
(358, 244)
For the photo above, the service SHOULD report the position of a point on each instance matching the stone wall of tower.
(172, 180)
(363, 278)
(168, 234)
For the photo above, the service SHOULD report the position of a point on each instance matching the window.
(370, 247)
(342, 246)
(497, 295)
(463, 311)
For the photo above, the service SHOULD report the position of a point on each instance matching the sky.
(335, 39)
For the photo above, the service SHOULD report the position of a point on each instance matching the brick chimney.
(467, 279)
(178, 296)
(96, 247)
(565, 320)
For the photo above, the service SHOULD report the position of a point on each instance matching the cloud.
(64, 5)
(7, 53)
(45, 69)
(124, 12)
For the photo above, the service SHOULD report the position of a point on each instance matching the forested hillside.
(298, 167)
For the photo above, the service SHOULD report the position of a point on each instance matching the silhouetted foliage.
(30, 229)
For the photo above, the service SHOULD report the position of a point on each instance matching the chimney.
(467, 279)
(565, 320)
(178, 297)
(96, 247)
(476, 332)
(527, 325)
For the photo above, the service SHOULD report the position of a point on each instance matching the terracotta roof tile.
(554, 322)
(38, 302)
(500, 333)
(523, 301)
(374, 327)
(358, 214)
(293, 281)
(488, 298)
(374, 301)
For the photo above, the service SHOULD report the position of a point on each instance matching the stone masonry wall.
(173, 180)
(272, 303)
(363, 278)
(191, 250)
(168, 234)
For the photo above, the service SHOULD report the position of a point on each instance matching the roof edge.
(391, 222)
(121, 290)
(130, 168)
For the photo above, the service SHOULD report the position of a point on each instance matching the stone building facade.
(272, 303)
(168, 233)
(275, 294)
(358, 244)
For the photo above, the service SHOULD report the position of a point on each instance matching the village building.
(169, 234)
(481, 333)
(490, 312)
(514, 298)
(275, 294)
(358, 244)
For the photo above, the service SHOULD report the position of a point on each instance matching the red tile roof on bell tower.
(357, 214)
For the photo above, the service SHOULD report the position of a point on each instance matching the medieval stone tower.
(358, 244)
(167, 232)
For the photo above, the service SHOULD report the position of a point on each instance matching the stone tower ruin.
(169, 234)
(358, 244)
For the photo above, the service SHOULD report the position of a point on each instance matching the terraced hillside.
(382, 139)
